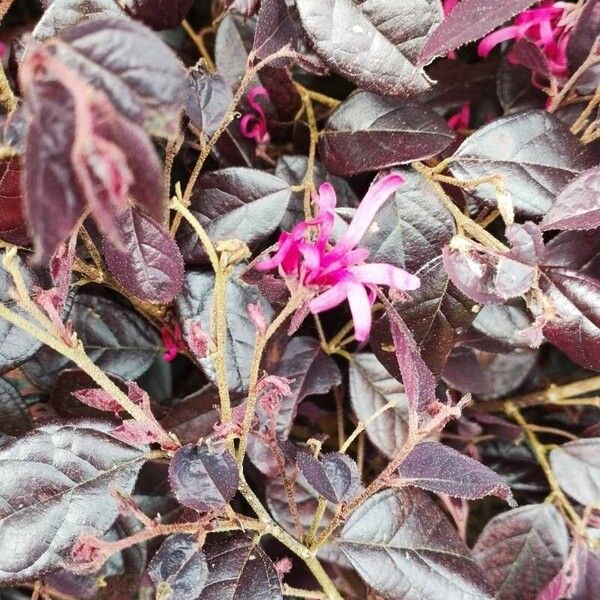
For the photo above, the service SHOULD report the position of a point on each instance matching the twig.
(199, 41)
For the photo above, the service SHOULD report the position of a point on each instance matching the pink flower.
(173, 341)
(461, 119)
(253, 125)
(548, 26)
(334, 274)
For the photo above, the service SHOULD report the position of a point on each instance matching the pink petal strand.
(384, 274)
(360, 309)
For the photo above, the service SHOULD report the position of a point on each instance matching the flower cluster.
(335, 273)
(548, 26)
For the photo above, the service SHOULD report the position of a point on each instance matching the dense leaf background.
(175, 424)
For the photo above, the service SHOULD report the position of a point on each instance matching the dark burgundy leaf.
(116, 338)
(151, 265)
(575, 328)
(109, 160)
(522, 550)
(489, 375)
(274, 29)
(578, 205)
(527, 54)
(236, 203)
(63, 395)
(194, 416)
(14, 416)
(195, 304)
(514, 89)
(468, 21)
(438, 468)
(208, 97)
(233, 44)
(583, 35)
(11, 215)
(577, 467)
(371, 388)
(410, 231)
(140, 74)
(335, 476)
(487, 276)
(311, 373)
(239, 569)
(178, 570)
(64, 14)
(16, 346)
(534, 153)
(56, 483)
(419, 383)
(159, 14)
(389, 542)
(578, 250)
(203, 478)
(368, 132)
(375, 45)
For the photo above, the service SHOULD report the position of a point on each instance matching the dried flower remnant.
(548, 26)
(334, 274)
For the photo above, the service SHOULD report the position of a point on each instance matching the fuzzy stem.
(261, 342)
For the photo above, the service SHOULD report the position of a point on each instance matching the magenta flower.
(172, 340)
(461, 119)
(253, 125)
(548, 26)
(333, 274)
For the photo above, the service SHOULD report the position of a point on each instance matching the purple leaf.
(527, 54)
(368, 132)
(239, 569)
(274, 30)
(389, 542)
(578, 205)
(59, 470)
(419, 383)
(489, 375)
(14, 416)
(115, 337)
(61, 15)
(236, 203)
(195, 304)
(16, 346)
(203, 478)
(335, 476)
(468, 21)
(534, 153)
(575, 328)
(371, 388)
(375, 45)
(577, 467)
(583, 35)
(178, 570)
(522, 550)
(11, 214)
(150, 266)
(410, 231)
(140, 74)
(157, 13)
(438, 468)
(208, 97)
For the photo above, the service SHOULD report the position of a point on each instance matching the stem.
(563, 395)
(591, 60)
(317, 518)
(540, 453)
(261, 341)
(298, 593)
(361, 426)
(463, 221)
(286, 539)
(7, 96)
(199, 41)
(309, 180)
(78, 356)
